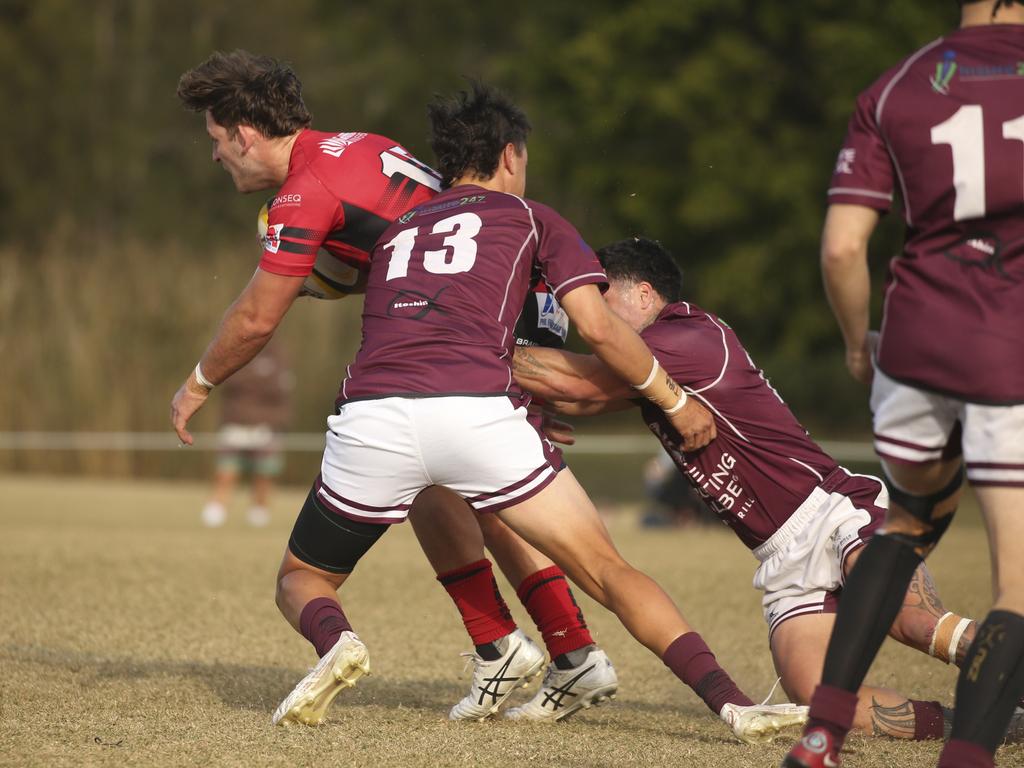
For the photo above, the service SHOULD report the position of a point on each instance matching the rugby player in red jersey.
(339, 192)
(430, 399)
(945, 127)
(804, 517)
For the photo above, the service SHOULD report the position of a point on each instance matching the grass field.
(131, 636)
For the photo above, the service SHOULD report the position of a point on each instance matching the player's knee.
(919, 521)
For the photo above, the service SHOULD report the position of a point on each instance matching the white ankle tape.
(935, 632)
(948, 653)
(954, 641)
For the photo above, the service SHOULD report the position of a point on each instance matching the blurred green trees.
(711, 125)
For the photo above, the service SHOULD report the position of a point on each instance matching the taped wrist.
(661, 389)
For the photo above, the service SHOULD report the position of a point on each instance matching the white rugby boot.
(340, 667)
(760, 723)
(494, 681)
(566, 691)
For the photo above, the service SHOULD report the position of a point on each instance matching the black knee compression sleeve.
(923, 508)
(870, 601)
(991, 681)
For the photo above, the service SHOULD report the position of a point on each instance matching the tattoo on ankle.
(896, 721)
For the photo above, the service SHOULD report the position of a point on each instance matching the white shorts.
(381, 453)
(915, 426)
(802, 564)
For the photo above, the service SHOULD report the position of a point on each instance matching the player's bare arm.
(557, 375)
(844, 267)
(625, 353)
(245, 329)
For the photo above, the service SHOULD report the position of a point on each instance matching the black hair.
(995, 8)
(241, 88)
(470, 130)
(640, 259)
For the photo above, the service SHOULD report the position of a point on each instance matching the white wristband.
(678, 406)
(203, 381)
(650, 377)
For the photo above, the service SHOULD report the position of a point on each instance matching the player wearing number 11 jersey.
(944, 131)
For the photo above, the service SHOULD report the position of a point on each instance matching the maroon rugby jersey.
(945, 127)
(763, 464)
(447, 282)
(341, 193)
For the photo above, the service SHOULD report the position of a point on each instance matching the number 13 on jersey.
(457, 254)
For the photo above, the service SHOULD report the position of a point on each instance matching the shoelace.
(471, 659)
(771, 692)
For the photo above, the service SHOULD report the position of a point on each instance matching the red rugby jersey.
(946, 128)
(341, 193)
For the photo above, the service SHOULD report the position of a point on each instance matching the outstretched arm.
(245, 329)
(559, 376)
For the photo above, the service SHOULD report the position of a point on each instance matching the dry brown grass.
(131, 636)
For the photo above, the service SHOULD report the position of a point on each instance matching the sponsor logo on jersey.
(984, 251)
(406, 217)
(285, 200)
(551, 316)
(944, 72)
(844, 163)
(272, 239)
(338, 143)
(413, 305)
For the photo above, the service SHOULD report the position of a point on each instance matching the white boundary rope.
(313, 442)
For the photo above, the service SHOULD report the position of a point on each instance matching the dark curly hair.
(241, 88)
(469, 131)
(640, 259)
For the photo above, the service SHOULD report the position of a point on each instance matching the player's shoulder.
(897, 73)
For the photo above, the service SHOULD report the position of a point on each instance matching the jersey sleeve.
(566, 260)
(863, 174)
(299, 220)
(683, 355)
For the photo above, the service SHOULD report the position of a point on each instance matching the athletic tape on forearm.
(661, 389)
(203, 381)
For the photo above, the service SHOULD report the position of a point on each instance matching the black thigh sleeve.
(329, 541)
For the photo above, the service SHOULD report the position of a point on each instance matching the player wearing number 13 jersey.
(943, 130)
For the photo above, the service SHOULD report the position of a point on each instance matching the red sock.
(547, 597)
(965, 754)
(322, 622)
(929, 722)
(832, 709)
(475, 593)
(693, 662)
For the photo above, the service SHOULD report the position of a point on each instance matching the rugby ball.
(331, 277)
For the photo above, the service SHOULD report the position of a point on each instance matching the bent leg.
(562, 522)
(798, 650)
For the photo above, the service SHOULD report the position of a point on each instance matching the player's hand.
(860, 362)
(695, 424)
(558, 431)
(187, 400)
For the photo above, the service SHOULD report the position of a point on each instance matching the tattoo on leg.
(922, 594)
(896, 721)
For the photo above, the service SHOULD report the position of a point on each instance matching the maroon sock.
(693, 662)
(475, 593)
(965, 754)
(832, 709)
(929, 722)
(547, 597)
(322, 623)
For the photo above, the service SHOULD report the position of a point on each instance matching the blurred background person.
(256, 408)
